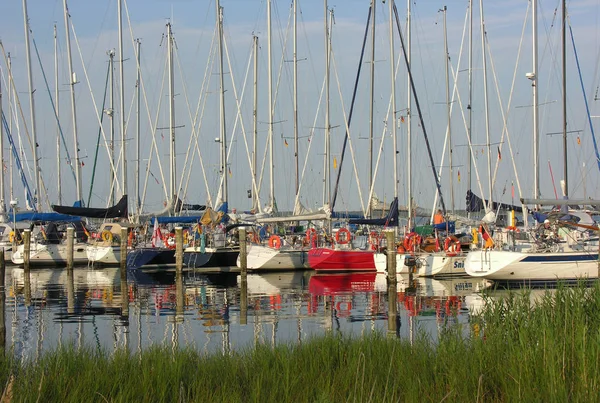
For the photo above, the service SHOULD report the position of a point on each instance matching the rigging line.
(587, 107)
(98, 139)
(87, 79)
(418, 105)
(503, 113)
(239, 115)
(17, 160)
(354, 92)
(282, 62)
(52, 104)
(347, 127)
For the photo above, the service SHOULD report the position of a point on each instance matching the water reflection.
(222, 312)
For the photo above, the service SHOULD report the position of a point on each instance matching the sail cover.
(476, 203)
(390, 221)
(119, 210)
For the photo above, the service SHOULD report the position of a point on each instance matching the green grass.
(515, 351)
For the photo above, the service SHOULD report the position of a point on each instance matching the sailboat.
(565, 245)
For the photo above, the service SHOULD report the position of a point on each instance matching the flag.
(86, 232)
(499, 154)
(512, 190)
(230, 172)
(82, 163)
(578, 140)
(285, 142)
(334, 163)
(402, 119)
(157, 241)
(459, 176)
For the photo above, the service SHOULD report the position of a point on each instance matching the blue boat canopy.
(177, 220)
(47, 217)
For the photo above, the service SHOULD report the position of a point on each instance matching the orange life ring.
(345, 239)
(311, 235)
(374, 240)
(452, 246)
(401, 249)
(343, 308)
(411, 241)
(275, 242)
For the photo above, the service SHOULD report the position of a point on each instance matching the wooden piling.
(243, 252)
(123, 254)
(178, 249)
(26, 250)
(70, 291)
(391, 256)
(180, 297)
(2, 302)
(70, 245)
(243, 277)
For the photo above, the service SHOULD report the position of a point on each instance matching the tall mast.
(57, 111)
(255, 124)
(448, 110)
(327, 171)
(564, 94)
(122, 99)
(10, 154)
(270, 72)
(2, 203)
(111, 62)
(138, 85)
(372, 95)
(172, 166)
(393, 82)
(536, 130)
(408, 117)
(485, 99)
(470, 104)
(72, 82)
(296, 96)
(222, 104)
(36, 170)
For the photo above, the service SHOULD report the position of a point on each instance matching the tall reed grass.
(513, 350)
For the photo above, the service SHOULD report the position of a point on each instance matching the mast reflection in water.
(205, 311)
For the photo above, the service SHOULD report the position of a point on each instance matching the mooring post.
(123, 253)
(179, 249)
(243, 277)
(2, 303)
(391, 255)
(70, 245)
(26, 250)
(70, 291)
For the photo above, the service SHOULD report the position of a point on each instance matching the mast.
(408, 118)
(372, 103)
(270, 73)
(122, 98)
(564, 95)
(255, 124)
(393, 82)
(327, 171)
(57, 111)
(72, 82)
(10, 154)
(470, 103)
(36, 170)
(111, 62)
(448, 110)
(485, 99)
(536, 132)
(222, 104)
(2, 202)
(296, 96)
(172, 165)
(138, 206)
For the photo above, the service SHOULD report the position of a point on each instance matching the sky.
(196, 82)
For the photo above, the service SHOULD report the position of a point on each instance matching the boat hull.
(103, 255)
(325, 259)
(195, 258)
(50, 254)
(518, 266)
(264, 258)
(150, 257)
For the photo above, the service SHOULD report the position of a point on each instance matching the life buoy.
(130, 238)
(343, 308)
(411, 241)
(275, 242)
(452, 246)
(311, 235)
(171, 242)
(345, 239)
(374, 240)
(401, 249)
(107, 236)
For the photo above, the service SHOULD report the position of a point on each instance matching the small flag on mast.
(578, 140)
(459, 176)
(499, 154)
(230, 174)
(334, 163)
(285, 142)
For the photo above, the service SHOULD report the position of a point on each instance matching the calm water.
(207, 312)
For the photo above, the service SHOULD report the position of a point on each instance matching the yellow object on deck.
(475, 236)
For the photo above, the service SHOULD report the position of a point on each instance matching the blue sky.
(193, 25)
